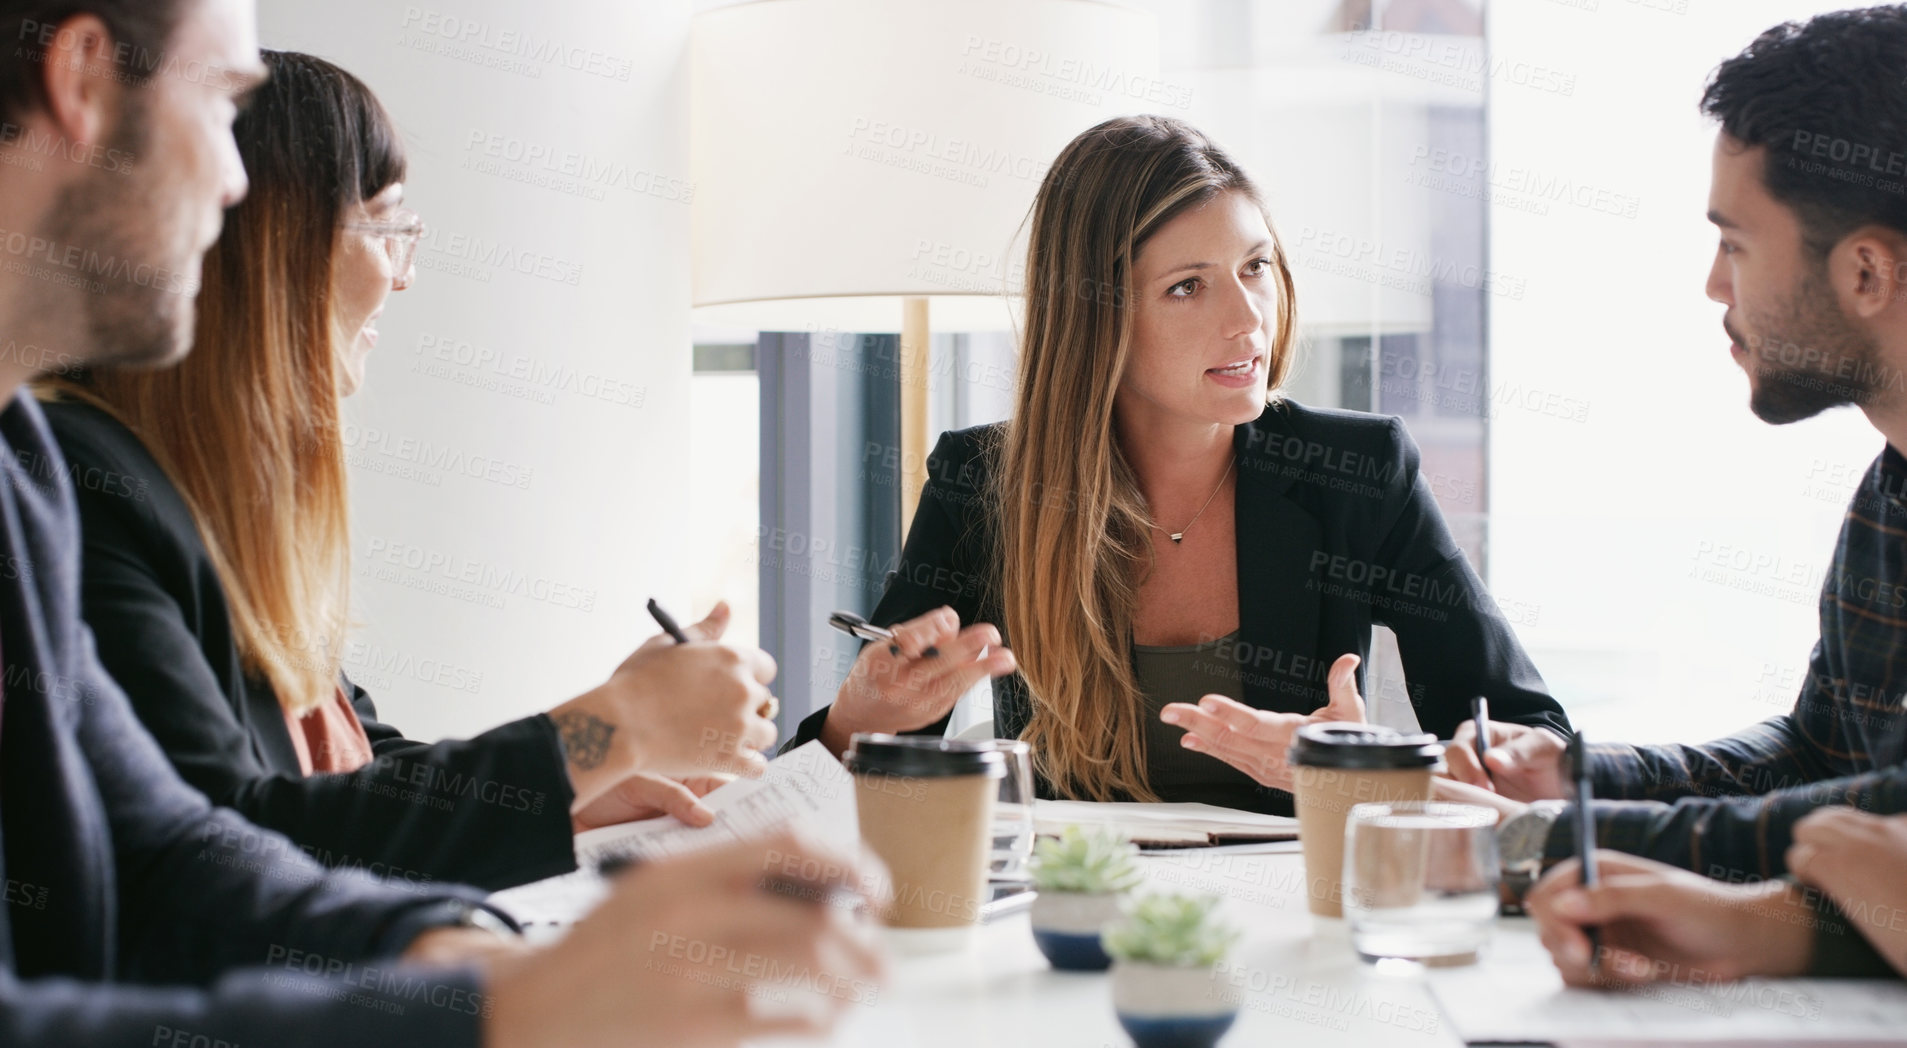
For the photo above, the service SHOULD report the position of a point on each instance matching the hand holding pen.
(667, 622)
(670, 709)
(797, 883)
(1663, 923)
(769, 707)
(662, 953)
(1520, 761)
(910, 674)
(1577, 769)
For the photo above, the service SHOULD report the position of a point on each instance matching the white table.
(1298, 982)
(1299, 985)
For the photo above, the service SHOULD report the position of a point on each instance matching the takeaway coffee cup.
(1335, 767)
(926, 806)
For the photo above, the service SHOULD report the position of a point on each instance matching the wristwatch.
(482, 918)
(397, 936)
(1520, 843)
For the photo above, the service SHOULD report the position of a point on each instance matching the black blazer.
(133, 907)
(1336, 531)
(492, 811)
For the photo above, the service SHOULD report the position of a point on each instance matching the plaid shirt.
(1727, 809)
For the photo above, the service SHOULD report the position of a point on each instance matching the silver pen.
(855, 626)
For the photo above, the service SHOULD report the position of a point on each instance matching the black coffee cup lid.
(921, 757)
(1364, 746)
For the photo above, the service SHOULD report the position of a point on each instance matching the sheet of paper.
(1518, 997)
(1178, 824)
(805, 787)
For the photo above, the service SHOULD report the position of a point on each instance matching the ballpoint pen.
(667, 622)
(1585, 837)
(818, 892)
(855, 626)
(1480, 719)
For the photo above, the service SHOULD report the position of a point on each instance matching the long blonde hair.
(247, 427)
(1075, 530)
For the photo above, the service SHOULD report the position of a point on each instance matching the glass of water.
(1012, 812)
(1420, 880)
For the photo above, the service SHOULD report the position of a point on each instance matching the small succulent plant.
(1090, 861)
(1174, 930)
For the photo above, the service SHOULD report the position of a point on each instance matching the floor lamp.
(860, 165)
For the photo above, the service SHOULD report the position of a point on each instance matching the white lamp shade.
(847, 153)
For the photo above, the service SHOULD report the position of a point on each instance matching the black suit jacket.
(1336, 531)
(133, 909)
(492, 811)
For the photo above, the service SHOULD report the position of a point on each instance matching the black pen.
(820, 893)
(1480, 720)
(667, 622)
(612, 865)
(855, 626)
(1585, 838)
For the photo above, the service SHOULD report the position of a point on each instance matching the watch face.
(1521, 840)
(480, 918)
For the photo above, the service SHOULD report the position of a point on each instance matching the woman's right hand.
(679, 710)
(916, 680)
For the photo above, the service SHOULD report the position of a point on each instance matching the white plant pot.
(1066, 926)
(1160, 1005)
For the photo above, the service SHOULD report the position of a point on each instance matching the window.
(1365, 125)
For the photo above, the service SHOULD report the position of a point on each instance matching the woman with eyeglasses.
(216, 557)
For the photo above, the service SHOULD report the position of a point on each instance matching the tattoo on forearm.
(585, 738)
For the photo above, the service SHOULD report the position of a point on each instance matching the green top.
(1184, 673)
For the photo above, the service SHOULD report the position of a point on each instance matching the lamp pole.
(915, 345)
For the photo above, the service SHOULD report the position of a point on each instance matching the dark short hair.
(1828, 99)
(140, 31)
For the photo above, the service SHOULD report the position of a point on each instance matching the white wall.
(574, 416)
(1597, 523)
(1674, 543)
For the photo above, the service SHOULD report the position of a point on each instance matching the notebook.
(805, 787)
(1180, 825)
(1517, 998)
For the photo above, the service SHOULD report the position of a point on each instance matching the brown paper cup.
(936, 836)
(1337, 766)
(1325, 797)
(926, 808)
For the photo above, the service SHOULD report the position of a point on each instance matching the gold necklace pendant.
(1178, 537)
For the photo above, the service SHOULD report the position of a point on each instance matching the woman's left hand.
(644, 796)
(1255, 741)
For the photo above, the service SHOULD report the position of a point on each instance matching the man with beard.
(132, 912)
(1809, 193)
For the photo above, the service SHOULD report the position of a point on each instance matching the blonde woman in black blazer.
(1169, 565)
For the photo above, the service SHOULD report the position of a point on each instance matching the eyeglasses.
(400, 234)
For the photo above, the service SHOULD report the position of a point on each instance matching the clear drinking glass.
(1420, 880)
(1012, 812)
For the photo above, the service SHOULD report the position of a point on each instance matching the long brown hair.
(247, 426)
(1075, 530)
